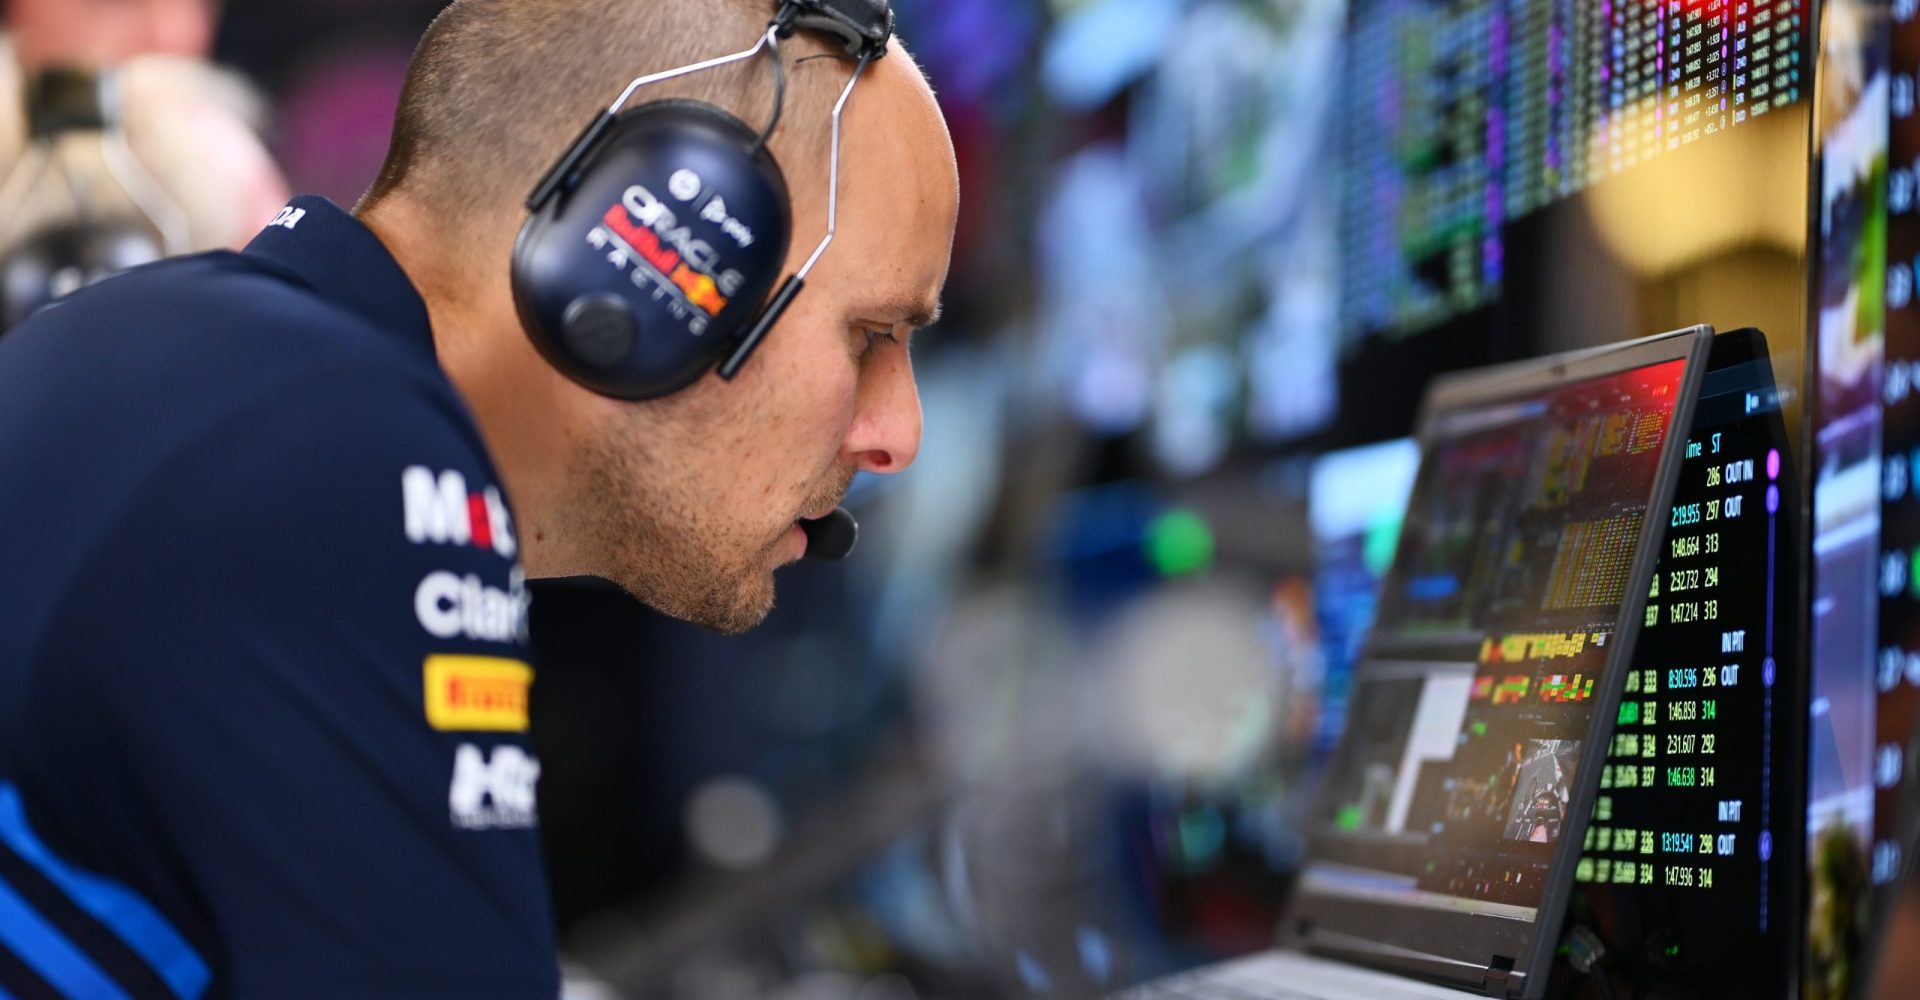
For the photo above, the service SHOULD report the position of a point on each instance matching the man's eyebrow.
(925, 315)
(915, 312)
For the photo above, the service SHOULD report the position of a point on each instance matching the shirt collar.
(337, 256)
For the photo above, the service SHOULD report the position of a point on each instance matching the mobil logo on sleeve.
(442, 510)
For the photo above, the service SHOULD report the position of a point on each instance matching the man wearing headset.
(268, 515)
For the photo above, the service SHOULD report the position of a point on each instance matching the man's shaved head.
(499, 88)
(691, 501)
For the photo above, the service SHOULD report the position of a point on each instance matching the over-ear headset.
(652, 243)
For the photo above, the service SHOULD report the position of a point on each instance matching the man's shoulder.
(146, 362)
(277, 466)
(212, 398)
(211, 312)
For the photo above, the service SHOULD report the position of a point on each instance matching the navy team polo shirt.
(263, 674)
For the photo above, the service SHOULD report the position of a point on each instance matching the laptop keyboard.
(1287, 975)
(1204, 986)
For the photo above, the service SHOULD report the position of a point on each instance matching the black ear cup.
(642, 271)
(599, 330)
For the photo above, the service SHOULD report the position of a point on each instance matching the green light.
(1179, 543)
(1479, 729)
(1348, 818)
(1382, 537)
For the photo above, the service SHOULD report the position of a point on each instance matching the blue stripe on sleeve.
(119, 908)
(48, 952)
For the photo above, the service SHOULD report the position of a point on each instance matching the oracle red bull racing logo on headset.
(642, 232)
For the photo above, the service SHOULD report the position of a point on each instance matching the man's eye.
(877, 336)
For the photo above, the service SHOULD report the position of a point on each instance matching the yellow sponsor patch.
(477, 693)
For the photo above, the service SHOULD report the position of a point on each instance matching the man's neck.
(509, 390)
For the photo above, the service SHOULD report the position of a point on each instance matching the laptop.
(1444, 843)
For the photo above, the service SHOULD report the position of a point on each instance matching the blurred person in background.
(263, 716)
(173, 163)
(108, 32)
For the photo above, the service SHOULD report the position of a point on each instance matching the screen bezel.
(1460, 948)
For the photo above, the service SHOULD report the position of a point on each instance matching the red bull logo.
(700, 289)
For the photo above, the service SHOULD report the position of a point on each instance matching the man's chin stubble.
(664, 567)
(731, 605)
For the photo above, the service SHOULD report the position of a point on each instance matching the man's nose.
(885, 436)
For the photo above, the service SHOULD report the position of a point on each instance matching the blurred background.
(1057, 727)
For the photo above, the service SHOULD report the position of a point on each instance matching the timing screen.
(1470, 709)
(1696, 787)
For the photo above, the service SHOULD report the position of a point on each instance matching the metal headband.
(862, 27)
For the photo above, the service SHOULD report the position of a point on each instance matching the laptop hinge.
(1498, 976)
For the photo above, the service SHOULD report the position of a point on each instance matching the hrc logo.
(494, 792)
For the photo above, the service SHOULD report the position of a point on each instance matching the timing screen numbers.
(1687, 773)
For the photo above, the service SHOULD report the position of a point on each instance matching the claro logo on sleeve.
(477, 693)
(452, 606)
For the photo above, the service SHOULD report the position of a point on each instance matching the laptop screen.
(1472, 706)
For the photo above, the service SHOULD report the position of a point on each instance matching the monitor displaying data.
(1487, 111)
(1690, 867)
(1865, 490)
(1520, 178)
(1471, 709)
(1402, 188)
